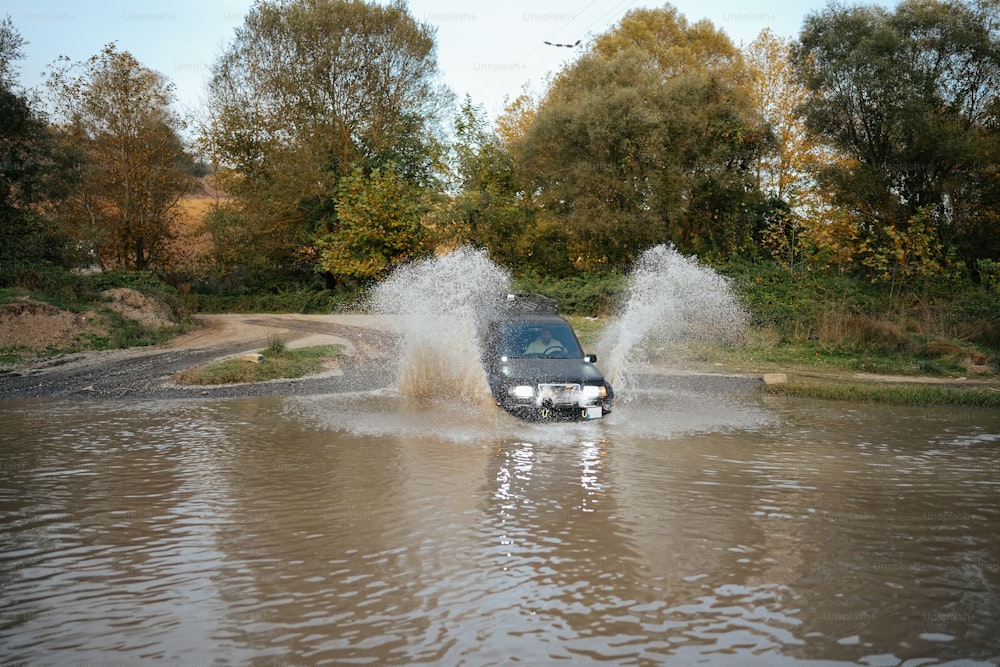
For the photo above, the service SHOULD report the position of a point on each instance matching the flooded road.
(692, 525)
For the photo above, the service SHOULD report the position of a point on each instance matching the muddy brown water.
(694, 525)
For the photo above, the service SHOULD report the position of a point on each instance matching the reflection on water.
(377, 529)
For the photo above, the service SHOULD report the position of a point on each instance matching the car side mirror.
(591, 358)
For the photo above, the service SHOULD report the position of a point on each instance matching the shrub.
(276, 346)
(583, 294)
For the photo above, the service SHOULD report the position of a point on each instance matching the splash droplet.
(436, 305)
(669, 298)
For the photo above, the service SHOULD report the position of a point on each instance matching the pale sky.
(487, 50)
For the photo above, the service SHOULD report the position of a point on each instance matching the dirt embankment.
(26, 324)
(31, 325)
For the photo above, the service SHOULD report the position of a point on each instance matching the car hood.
(550, 371)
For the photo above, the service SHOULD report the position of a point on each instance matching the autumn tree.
(513, 123)
(307, 92)
(793, 203)
(911, 98)
(782, 173)
(648, 138)
(116, 116)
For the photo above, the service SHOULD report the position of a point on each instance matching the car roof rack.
(531, 303)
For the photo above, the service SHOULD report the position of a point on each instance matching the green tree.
(377, 226)
(911, 98)
(309, 90)
(489, 208)
(26, 237)
(648, 138)
(116, 116)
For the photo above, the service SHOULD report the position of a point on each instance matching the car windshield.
(533, 339)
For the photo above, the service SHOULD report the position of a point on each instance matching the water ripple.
(368, 528)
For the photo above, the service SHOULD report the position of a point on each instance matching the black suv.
(535, 365)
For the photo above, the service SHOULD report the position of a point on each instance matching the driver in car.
(545, 344)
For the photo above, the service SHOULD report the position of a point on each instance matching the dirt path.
(145, 372)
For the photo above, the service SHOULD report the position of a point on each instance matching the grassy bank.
(277, 362)
(844, 338)
(812, 373)
(828, 318)
(893, 393)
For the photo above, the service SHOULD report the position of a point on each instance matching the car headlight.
(591, 392)
(522, 391)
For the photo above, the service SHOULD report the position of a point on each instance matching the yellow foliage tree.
(116, 115)
(783, 173)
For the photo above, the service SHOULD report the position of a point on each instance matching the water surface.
(690, 526)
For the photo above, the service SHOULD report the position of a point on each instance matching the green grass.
(117, 333)
(915, 394)
(124, 332)
(816, 323)
(826, 372)
(762, 349)
(8, 294)
(286, 364)
(276, 347)
(14, 355)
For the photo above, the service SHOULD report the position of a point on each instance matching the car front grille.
(559, 394)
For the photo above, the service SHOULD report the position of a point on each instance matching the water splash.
(669, 298)
(436, 305)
